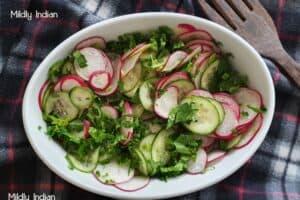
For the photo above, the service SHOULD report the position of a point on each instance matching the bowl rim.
(50, 165)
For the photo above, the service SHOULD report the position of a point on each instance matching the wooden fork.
(249, 19)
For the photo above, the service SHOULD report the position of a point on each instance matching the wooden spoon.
(250, 20)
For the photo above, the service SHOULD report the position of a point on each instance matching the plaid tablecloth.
(272, 173)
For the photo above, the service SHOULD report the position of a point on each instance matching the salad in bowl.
(149, 105)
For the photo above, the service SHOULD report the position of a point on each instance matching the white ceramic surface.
(246, 60)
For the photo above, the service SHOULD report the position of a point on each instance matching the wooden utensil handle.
(287, 63)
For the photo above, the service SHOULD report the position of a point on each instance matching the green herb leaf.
(55, 71)
(244, 114)
(258, 110)
(183, 113)
(80, 59)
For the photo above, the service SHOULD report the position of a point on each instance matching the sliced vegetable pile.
(148, 105)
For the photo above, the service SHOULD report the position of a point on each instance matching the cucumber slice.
(146, 145)
(208, 74)
(132, 92)
(82, 97)
(88, 165)
(143, 165)
(154, 127)
(46, 95)
(159, 152)
(184, 87)
(137, 110)
(60, 104)
(219, 108)
(230, 144)
(206, 118)
(145, 95)
(130, 81)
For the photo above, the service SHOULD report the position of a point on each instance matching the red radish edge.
(228, 99)
(108, 66)
(71, 77)
(249, 122)
(171, 78)
(199, 92)
(260, 118)
(172, 57)
(42, 92)
(221, 155)
(86, 127)
(189, 56)
(82, 44)
(114, 83)
(95, 61)
(132, 51)
(119, 186)
(96, 73)
(186, 28)
(204, 35)
(57, 85)
(209, 43)
(155, 109)
(111, 111)
(227, 135)
(195, 173)
(207, 142)
(127, 132)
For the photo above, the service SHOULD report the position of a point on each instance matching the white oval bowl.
(246, 60)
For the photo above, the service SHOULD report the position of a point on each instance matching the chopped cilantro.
(80, 59)
(183, 113)
(244, 114)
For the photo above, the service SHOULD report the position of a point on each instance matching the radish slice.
(166, 102)
(134, 184)
(229, 100)
(209, 43)
(113, 173)
(130, 61)
(204, 47)
(132, 51)
(215, 155)
(201, 93)
(245, 98)
(198, 61)
(115, 80)
(95, 62)
(110, 111)
(174, 61)
(57, 85)
(100, 80)
(191, 55)
(229, 123)
(183, 28)
(251, 133)
(95, 40)
(42, 92)
(206, 141)
(199, 72)
(86, 127)
(198, 165)
(71, 81)
(127, 132)
(193, 35)
(108, 66)
(162, 83)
